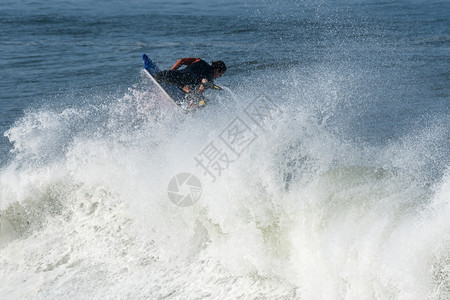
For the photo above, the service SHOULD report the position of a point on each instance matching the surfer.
(197, 73)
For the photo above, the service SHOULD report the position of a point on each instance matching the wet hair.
(219, 66)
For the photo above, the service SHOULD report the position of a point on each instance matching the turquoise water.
(343, 194)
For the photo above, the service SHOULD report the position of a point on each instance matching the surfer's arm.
(184, 62)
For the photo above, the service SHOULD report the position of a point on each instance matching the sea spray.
(303, 212)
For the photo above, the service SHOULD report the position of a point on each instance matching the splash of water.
(301, 213)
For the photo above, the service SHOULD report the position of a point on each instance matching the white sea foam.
(301, 213)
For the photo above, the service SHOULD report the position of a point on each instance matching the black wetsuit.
(192, 75)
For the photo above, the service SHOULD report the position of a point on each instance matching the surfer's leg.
(166, 77)
(170, 77)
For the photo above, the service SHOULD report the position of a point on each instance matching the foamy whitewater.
(341, 191)
(301, 214)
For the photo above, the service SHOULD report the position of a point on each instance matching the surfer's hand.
(201, 88)
(186, 89)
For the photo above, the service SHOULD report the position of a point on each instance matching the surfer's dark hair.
(219, 66)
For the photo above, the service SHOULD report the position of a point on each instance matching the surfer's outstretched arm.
(184, 62)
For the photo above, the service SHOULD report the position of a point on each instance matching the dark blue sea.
(320, 171)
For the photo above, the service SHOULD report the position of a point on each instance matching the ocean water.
(338, 189)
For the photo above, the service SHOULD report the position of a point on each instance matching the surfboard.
(172, 93)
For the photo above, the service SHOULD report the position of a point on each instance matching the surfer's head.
(219, 68)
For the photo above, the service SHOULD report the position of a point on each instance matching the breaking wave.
(297, 210)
